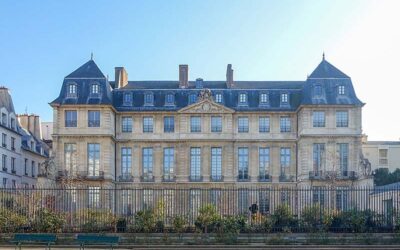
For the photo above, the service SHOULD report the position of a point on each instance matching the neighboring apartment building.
(207, 134)
(22, 152)
(382, 154)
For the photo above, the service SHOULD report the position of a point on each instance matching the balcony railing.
(196, 178)
(331, 175)
(4, 169)
(126, 178)
(286, 178)
(89, 175)
(243, 178)
(147, 178)
(264, 178)
(216, 178)
(13, 171)
(168, 178)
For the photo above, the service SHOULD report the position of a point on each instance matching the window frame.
(195, 124)
(70, 123)
(285, 124)
(243, 124)
(216, 124)
(148, 124)
(126, 124)
(243, 98)
(340, 121)
(318, 120)
(265, 126)
(94, 118)
(169, 127)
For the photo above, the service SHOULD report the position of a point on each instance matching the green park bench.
(39, 239)
(94, 240)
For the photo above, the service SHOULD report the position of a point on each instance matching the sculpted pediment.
(206, 106)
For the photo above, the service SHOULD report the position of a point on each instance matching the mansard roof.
(325, 76)
(6, 100)
(87, 70)
(327, 70)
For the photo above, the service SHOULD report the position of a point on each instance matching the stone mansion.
(208, 134)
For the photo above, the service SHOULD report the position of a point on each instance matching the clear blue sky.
(43, 41)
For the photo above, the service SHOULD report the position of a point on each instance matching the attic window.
(127, 99)
(71, 90)
(242, 98)
(95, 88)
(218, 97)
(341, 90)
(169, 99)
(148, 99)
(284, 98)
(263, 98)
(318, 90)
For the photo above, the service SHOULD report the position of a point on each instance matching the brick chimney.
(183, 76)
(229, 76)
(121, 77)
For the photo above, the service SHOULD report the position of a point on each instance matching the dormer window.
(95, 88)
(127, 99)
(169, 99)
(263, 98)
(218, 97)
(148, 99)
(341, 90)
(242, 98)
(318, 90)
(284, 98)
(12, 125)
(4, 119)
(192, 98)
(71, 90)
(32, 146)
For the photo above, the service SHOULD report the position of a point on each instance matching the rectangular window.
(195, 124)
(243, 164)
(343, 152)
(127, 101)
(13, 165)
(218, 98)
(318, 119)
(285, 161)
(216, 124)
(94, 197)
(4, 140)
(168, 163)
(147, 164)
(242, 98)
(263, 157)
(148, 99)
(33, 168)
(195, 164)
(93, 118)
(4, 119)
(284, 98)
(169, 99)
(383, 157)
(70, 157)
(263, 98)
(341, 89)
(126, 161)
(169, 124)
(148, 124)
(12, 143)
(285, 123)
(70, 118)
(4, 162)
(318, 157)
(216, 164)
(243, 124)
(263, 124)
(93, 159)
(12, 125)
(342, 119)
(127, 124)
(26, 166)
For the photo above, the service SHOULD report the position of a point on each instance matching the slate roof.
(327, 70)
(6, 100)
(87, 70)
(325, 75)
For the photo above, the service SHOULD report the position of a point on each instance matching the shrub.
(48, 221)
(355, 221)
(228, 228)
(11, 221)
(179, 222)
(144, 221)
(96, 220)
(207, 217)
(315, 217)
(283, 218)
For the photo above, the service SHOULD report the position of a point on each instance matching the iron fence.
(297, 209)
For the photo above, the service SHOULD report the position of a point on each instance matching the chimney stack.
(31, 123)
(183, 76)
(121, 77)
(229, 76)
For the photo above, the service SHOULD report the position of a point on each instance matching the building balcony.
(125, 178)
(286, 178)
(168, 178)
(4, 169)
(147, 178)
(243, 178)
(196, 178)
(89, 175)
(264, 178)
(344, 175)
(13, 171)
(332, 175)
(216, 178)
(4, 145)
